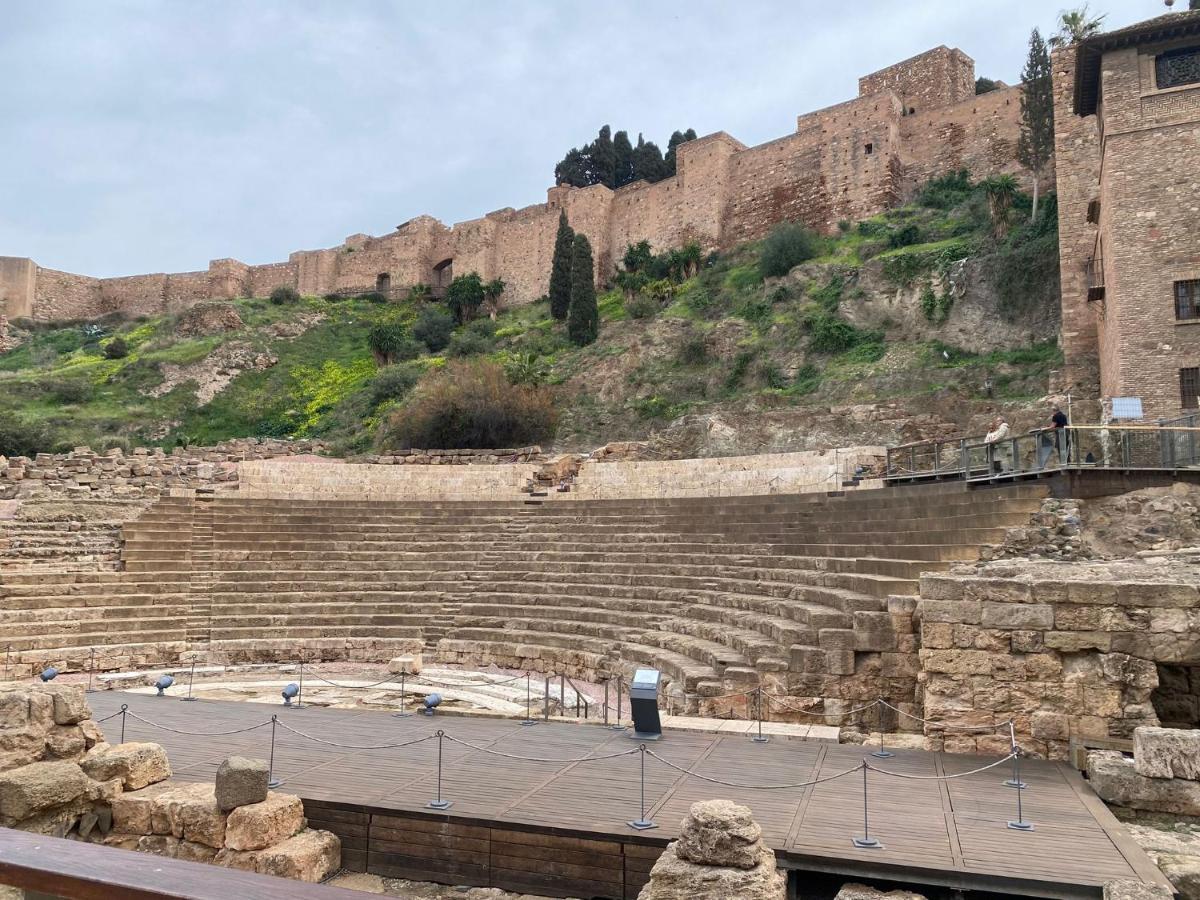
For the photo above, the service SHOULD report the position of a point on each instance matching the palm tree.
(1001, 190)
(1075, 25)
(491, 296)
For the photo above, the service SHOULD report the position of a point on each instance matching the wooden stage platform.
(561, 828)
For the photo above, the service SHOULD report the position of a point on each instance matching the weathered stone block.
(1116, 780)
(241, 781)
(1135, 890)
(719, 833)
(1049, 726)
(1027, 616)
(132, 811)
(70, 704)
(862, 892)
(1076, 641)
(39, 787)
(309, 856)
(967, 612)
(409, 664)
(136, 764)
(1167, 753)
(260, 825)
(941, 587)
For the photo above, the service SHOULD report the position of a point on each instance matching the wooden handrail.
(74, 870)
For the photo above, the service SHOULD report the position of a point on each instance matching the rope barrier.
(134, 715)
(990, 765)
(318, 740)
(753, 787)
(577, 759)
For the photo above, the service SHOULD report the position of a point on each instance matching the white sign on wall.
(1127, 407)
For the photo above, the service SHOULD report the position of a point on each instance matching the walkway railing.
(1153, 447)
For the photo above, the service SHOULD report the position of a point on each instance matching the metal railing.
(1080, 446)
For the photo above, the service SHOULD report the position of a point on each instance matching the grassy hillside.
(725, 340)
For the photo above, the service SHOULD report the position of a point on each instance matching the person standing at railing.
(997, 451)
(1062, 437)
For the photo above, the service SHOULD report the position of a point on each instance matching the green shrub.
(392, 383)
(737, 371)
(946, 192)
(807, 380)
(642, 307)
(786, 247)
(771, 376)
(20, 437)
(830, 333)
(284, 295)
(433, 328)
(116, 349)
(905, 236)
(757, 312)
(470, 405)
(469, 343)
(935, 306)
(693, 351)
(69, 390)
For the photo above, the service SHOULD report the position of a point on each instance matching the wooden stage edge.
(546, 809)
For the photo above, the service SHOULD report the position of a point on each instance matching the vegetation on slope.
(678, 333)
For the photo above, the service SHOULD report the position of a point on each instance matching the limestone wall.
(1069, 651)
(772, 473)
(274, 478)
(911, 121)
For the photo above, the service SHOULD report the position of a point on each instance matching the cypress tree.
(583, 321)
(623, 159)
(648, 161)
(1036, 142)
(604, 159)
(560, 269)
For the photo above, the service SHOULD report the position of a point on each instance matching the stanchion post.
(191, 678)
(124, 713)
(403, 713)
(641, 823)
(546, 701)
(617, 726)
(299, 704)
(1015, 781)
(91, 670)
(866, 842)
(439, 803)
(272, 781)
(1019, 823)
(758, 712)
(882, 752)
(606, 681)
(7, 655)
(529, 720)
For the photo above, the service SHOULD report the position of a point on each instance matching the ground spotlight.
(162, 684)
(290, 692)
(48, 674)
(432, 702)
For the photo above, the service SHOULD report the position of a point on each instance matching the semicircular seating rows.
(721, 594)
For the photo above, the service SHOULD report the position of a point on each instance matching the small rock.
(240, 782)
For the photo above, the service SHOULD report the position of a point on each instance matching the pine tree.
(583, 321)
(560, 269)
(648, 161)
(573, 169)
(1036, 142)
(677, 138)
(603, 158)
(623, 159)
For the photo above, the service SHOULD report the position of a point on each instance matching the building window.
(869, 148)
(1189, 388)
(1177, 67)
(1187, 299)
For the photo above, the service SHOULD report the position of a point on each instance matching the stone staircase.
(793, 592)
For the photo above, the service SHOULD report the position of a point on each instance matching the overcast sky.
(154, 136)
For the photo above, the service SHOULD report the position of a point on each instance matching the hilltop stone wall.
(911, 121)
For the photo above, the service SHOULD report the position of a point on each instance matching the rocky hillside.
(925, 320)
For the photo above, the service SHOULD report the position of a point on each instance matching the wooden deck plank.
(926, 822)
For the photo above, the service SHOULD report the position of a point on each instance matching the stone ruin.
(58, 776)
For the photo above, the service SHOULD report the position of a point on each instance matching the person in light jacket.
(998, 455)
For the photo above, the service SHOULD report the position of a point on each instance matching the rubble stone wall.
(1068, 651)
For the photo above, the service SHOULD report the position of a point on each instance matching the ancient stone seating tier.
(804, 594)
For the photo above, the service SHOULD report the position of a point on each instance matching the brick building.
(911, 121)
(1127, 149)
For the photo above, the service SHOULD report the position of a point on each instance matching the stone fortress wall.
(911, 121)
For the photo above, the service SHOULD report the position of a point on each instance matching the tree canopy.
(612, 160)
(560, 269)
(1036, 142)
(583, 318)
